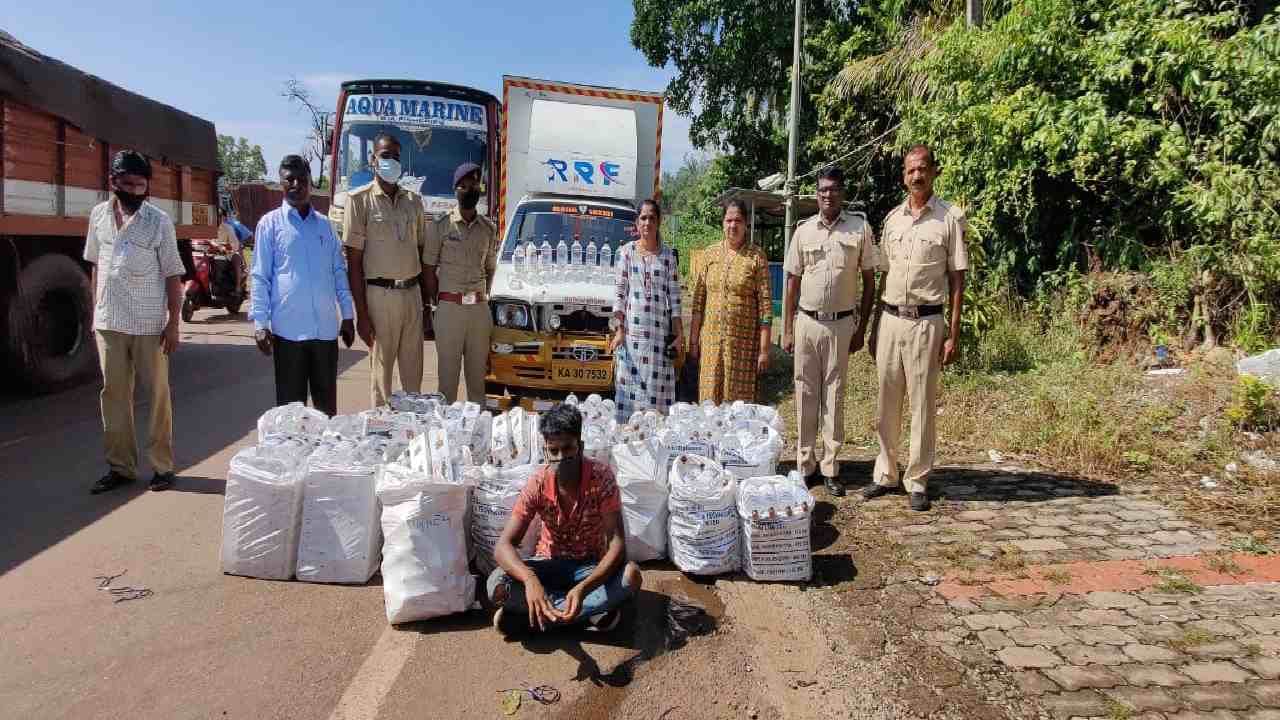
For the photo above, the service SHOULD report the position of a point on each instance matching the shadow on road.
(988, 485)
(51, 446)
(197, 485)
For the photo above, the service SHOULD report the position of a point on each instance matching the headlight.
(554, 322)
(511, 315)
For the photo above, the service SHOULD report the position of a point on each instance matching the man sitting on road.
(579, 572)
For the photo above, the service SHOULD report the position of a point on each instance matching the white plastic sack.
(345, 427)
(292, 419)
(704, 520)
(492, 500)
(740, 410)
(424, 555)
(751, 448)
(262, 510)
(640, 469)
(689, 439)
(398, 426)
(341, 536)
(777, 516)
(597, 442)
(422, 404)
(1265, 366)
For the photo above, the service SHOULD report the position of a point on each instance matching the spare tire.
(49, 338)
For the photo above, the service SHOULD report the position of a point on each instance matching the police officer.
(384, 230)
(923, 259)
(828, 255)
(459, 261)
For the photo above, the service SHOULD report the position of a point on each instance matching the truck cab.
(551, 326)
(576, 162)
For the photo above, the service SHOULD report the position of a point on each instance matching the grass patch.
(1011, 561)
(1222, 562)
(964, 549)
(1190, 638)
(1057, 576)
(1117, 710)
(1251, 545)
(1172, 581)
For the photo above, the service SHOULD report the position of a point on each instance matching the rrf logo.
(583, 172)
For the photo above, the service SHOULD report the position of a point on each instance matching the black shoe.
(110, 481)
(875, 490)
(162, 481)
(812, 478)
(920, 502)
(605, 622)
(510, 624)
(833, 486)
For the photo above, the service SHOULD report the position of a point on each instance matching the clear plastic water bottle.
(545, 262)
(575, 259)
(592, 261)
(562, 256)
(517, 262)
(531, 261)
(606, 263)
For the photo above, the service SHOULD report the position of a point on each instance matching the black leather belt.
(393, 284)
(913, 312)
(827, 316)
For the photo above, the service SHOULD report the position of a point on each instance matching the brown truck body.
(59, 128)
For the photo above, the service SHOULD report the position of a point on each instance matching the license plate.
(574, 372)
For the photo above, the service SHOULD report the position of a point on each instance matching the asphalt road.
(206, 645)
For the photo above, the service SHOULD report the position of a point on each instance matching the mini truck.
(575, 163)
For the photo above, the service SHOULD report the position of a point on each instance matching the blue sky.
(226, 61)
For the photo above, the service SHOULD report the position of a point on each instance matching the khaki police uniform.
(465, 256)
(916, 254)
(829, 260)
(392, 234)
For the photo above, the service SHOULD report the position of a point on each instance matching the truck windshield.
(428, 155)
(612, 227)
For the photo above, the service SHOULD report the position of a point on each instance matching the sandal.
(110, 481)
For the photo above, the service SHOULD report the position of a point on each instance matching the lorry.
(575, 163)
(59, 128)
(439, 126)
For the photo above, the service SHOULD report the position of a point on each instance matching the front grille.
(530, 372)
(583, 321)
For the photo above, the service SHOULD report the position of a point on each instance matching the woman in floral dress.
(732, 303)
(646, 319)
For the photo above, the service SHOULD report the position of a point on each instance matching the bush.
(1254, 405)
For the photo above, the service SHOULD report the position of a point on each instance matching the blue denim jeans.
(558, 576)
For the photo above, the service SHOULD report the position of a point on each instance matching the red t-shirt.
(572, 533)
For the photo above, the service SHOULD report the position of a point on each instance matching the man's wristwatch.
(260, 335)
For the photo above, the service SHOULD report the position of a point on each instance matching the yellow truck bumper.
(533, 370)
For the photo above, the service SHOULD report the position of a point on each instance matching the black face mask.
(569, 469)
(468, 199)
(130, 201)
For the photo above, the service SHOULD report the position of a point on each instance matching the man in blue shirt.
(299, 276)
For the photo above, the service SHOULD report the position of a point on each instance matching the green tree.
(240, 161)
(1112, 134)
(733, 69)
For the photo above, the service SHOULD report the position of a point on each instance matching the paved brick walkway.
(1099, 604)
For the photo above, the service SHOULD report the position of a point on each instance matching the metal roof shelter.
(769, 206)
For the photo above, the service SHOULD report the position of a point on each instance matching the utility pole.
(973, 13)
(790, 188)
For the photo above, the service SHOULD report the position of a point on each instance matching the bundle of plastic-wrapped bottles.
(535, 263)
